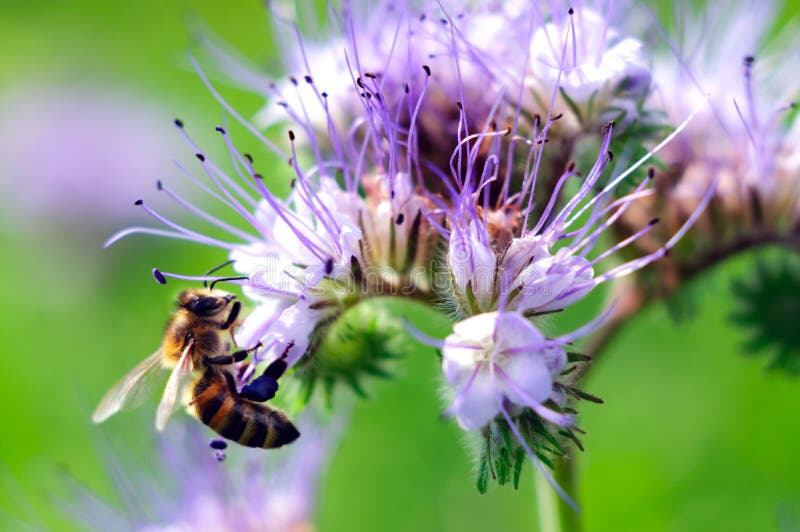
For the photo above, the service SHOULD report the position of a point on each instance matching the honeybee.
(195, 343)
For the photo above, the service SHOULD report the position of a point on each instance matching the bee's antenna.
(224, 279)
(215, 268)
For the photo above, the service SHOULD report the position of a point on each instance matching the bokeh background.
(693, 435)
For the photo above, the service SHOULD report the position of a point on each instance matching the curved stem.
(632, 295)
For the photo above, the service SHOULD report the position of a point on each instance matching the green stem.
(555, 515)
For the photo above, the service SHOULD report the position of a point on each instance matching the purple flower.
(500, 260)
(493, 357)
(352, 227)
(580, 53)
(748, 144)
(247, 491)
(72, 155)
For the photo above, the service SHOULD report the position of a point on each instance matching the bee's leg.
(265, 386)
(236, 307)
(236, 356)
(231, 383)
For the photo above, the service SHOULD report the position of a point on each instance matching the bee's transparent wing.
(128, 390)
(178, 379)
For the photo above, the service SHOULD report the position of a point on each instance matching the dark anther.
(400, 218)
(422, 17)
(308, 79)
(219, 445)
(249, 158)
(443, 21)
(179, 123)
(291, 135)
(610, 155)
(571, 11)
(359, 82)
(370, 75)
(651, 172)
(571, 166)
(328, 266)
(557, 117)
(324, 94)
(406, 88)
(493, 126)
(159, 277)
(654, 221)
(159, 186)
(293, 182)
(283, 104)
(748, 60)
(138, 202)
(427, 69)
(220, 129)
(258, 176)
(293, 80)
(377, 96)
(459, 105)
(290, 161)
(200, 156)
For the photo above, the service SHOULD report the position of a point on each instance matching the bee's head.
(204, 302)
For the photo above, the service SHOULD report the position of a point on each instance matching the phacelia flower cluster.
(433, 157)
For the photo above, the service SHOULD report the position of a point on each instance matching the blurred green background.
(693, 435)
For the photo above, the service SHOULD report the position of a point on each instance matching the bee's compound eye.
(207, 306)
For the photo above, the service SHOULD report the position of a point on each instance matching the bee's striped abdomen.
(237, 419)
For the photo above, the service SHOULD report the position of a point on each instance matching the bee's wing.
(179, 377)
(126, 390)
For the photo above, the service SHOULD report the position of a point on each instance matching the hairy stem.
(555, 515)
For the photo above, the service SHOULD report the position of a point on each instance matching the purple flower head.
(388, 44)
(748, 144)
(504, 377)
(502, 258)
(352, 226)
(247, 491)
(595, 67)
(497, 356)
(68, 154)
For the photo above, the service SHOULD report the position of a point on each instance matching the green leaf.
(483, 474)
(571, 104)
(573, 356)
(585, 395)
(502, 466)
(520, 461)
